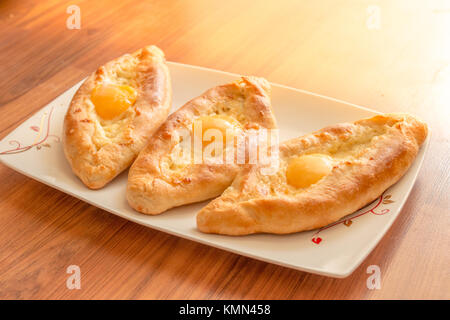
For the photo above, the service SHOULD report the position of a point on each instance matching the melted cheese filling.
(227, 113)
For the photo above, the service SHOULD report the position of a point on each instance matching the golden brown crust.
(99, 150)
(370, 155)
(154, 185)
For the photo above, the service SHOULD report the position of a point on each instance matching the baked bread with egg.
(114, 113)
(321, 178)
(158, 180)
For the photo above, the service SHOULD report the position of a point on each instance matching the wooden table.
(386, 55)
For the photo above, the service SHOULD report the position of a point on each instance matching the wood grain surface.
(399, 62)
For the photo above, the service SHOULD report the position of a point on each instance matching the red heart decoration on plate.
(317, 240)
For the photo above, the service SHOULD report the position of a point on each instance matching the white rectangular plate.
(335, 251)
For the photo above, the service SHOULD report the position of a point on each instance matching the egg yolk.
(221, 123)
(306, 170)
(112, 100)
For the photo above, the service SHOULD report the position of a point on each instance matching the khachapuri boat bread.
(322, 177)
(114, 113)
(158, 181)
